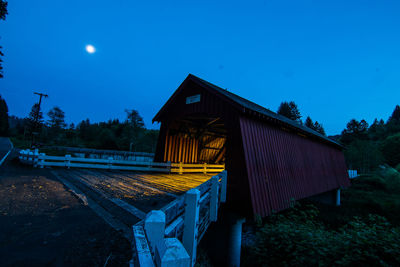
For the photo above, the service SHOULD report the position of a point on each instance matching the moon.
(90, 49)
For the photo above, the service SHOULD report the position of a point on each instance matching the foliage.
(316, 126)
(363, 155)
(298, 238)
(4, 125)
(368, 147)
(3, 13)
(129, 135)
(391, 149)
(289, 110)
(56, 118)
(354, 130)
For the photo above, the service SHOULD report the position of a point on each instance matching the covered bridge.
(271, 160)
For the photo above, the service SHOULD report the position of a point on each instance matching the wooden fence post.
(214, 199)
(68, 161)
(154, 225)
(191, 220)
(35, 157)
(110, 161)
(180, 167)
(41, 160)
(30, 157)
(224, 180)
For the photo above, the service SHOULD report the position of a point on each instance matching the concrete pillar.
(235, 241)
(154, 224)
(171, 253)
(338, 197)
(191, 219)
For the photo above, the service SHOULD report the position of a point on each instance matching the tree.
(3, 13)
(390, 149)
(377, 130)
(316, 126)
(35, 117)
(393, 124)
(290, 110)
(396, 114)
(134, 118)
(4, 125)
(57, 118)
(319, 128)
(309, 123)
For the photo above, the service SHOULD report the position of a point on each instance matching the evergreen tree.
(395, 115)
(393, 124)
(354, 130)
(290, 110)
(319, 128)
(35, 118)
(4, 124)
(57, 118)
(309, 123)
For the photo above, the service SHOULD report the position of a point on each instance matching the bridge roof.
(247, 106)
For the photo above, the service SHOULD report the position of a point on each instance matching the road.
(5, 146)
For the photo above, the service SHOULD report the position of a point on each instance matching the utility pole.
(36, 118)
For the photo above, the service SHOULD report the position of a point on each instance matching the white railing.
(352, 173)
(169, 237)
(41, 160)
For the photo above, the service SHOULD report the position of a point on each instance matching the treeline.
(127, 135)
(291, 111)
(368, 146)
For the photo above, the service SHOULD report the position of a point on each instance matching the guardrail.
(41, 160)
(352, 173)
(169, 237)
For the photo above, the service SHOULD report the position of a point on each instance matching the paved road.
(5, 146)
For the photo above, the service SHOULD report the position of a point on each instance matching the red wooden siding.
(282, 166)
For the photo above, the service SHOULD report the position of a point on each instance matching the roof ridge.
(260, 109)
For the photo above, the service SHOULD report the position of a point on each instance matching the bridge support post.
(338, 197)
(191, 219)
(235, 241)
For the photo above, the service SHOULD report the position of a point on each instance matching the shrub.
(297, 238)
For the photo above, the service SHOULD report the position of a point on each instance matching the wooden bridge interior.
(196, 139)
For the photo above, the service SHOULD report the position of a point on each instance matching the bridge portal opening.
(196, 138)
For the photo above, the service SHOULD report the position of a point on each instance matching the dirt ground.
(43, 224)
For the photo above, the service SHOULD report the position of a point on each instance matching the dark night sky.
(336, 59)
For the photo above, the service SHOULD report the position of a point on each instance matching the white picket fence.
(41, 160)
(352, 173)
(169, 237)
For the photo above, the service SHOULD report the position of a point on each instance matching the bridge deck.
(126, 196)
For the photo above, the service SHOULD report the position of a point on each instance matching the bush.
(297, 238)
(390, 148)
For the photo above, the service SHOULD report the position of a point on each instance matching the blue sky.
(337, 60)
